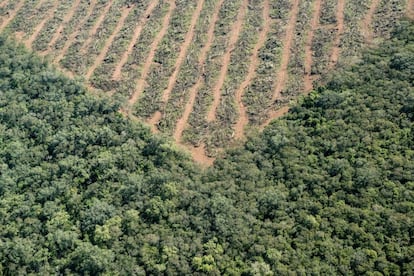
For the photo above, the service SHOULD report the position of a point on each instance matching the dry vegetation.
(201, 71)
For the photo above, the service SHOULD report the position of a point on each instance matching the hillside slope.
(329, 189)
(201, 71)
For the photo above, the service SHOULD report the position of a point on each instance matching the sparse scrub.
(44, 37)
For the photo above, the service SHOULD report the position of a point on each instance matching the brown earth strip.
(274, 115)
(254, 62)
(366, 23)
(290, 29)
(410, 9)
(183, 51)
(73, 36)
(153, 48)
(12, 14)
(65, 20)
(234, 36)
(182, 122)
(117, 75)
(102, 54)
(180, 59)
(308, 46)
(4, 3)
(95, 27)
(340, 29)
(40, 26)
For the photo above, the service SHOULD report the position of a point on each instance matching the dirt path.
(180, 59)
(410, 9)
(39, 27)
(254, 62)
(183, 51)
(4, 3)
(274, 115)
(308, 46)
(366, 23)
(153, 48)
(73, 36)
(340, 29)
(12, 14)
(117, 75)
(234, 36)
(290, 34)
(102, 53)
(182, 122)
(98, 23)
(65, 20)
(199, 155)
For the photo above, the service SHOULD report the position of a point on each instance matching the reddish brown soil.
(340, 29)
(410, 9)
(366, 23)
(182, 122)
(65, 20)
(308, 46)
(254, 62)
(11, 15)
(109, 41)
(117, 75)
(39, 27)
(153, 48)
(234, 36)
(181, 57)
(73, 36)
(275, 115)
(183, 51)
(98, 23)
(290, 33)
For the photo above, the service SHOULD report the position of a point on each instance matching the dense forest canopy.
(328, 189)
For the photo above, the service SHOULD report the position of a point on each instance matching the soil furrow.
(65, 20)
(290, 29)
(234, 36)
(183, 51)
(117, 75)
(180, 59)
(308, 46)
(12, 14)
(182, 122)
(366, 23)
(254, 62)
(153, 48)
(39, 27)
(73, 36)
(410, 9)
(340, 29)
(102, 54)
(4, 3)
(95, 27)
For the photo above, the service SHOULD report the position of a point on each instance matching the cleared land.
(201, 71)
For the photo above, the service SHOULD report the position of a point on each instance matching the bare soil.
(12, 14)
(65, 20)
(340, 29)
(366, 23)
(117, 75)
(73, 35)
(109, 41)
(254, 62)
(308, 85)
(234, 36)
(153, 48)
(290, 33)
(182, 122)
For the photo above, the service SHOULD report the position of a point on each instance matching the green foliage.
(327, 190)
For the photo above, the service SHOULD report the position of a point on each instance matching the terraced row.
(201, 71)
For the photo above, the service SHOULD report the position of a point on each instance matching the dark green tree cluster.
(329, 189)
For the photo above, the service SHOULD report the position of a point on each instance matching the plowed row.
(201, 71)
